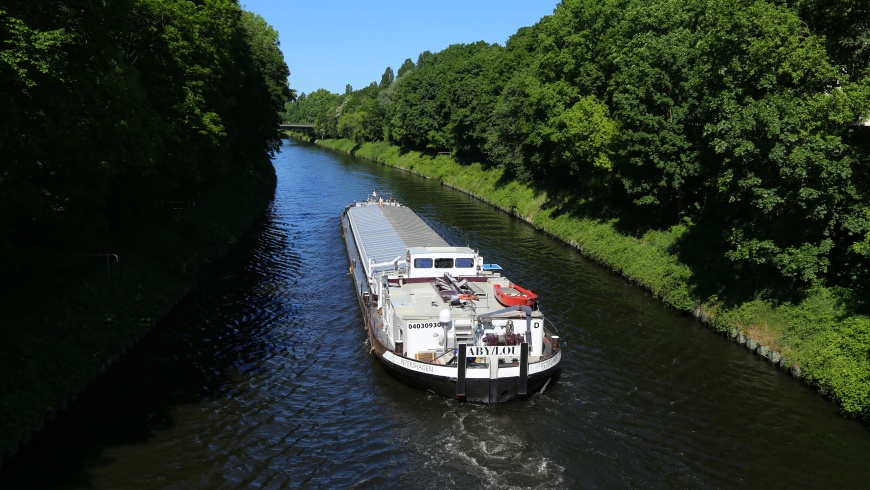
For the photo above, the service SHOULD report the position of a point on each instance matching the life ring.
(468, 297)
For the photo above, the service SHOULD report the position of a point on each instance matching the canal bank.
(820, 341)
(62, 333)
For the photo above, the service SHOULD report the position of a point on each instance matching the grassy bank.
(61, 330)
(818, 339)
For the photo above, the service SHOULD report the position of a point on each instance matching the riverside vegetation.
(137, 128)
(819, 338)
(716, 154)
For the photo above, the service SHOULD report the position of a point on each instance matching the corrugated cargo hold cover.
(386, 232)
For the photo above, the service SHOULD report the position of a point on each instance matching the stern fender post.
(523, 381)
(460, 373)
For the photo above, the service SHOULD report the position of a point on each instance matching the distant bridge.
(298, 127)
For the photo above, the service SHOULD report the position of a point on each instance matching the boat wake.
(478, 448)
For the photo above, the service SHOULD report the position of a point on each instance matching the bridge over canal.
(297, 127)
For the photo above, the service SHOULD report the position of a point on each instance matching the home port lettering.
(416, 366)
(547, 364)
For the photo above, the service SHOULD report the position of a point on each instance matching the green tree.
(654, 93)
(324, 105)
(257, 111)
(584, 138)
(444, 104)
(845, 25)
(141, 98)
(387, 78)
(62, 74)
(783, 183)
(407, 67)
(423, 57)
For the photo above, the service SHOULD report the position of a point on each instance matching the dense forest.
(136, 142)
(737, 129)
(111, 106)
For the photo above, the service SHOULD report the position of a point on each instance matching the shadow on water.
(136, 399)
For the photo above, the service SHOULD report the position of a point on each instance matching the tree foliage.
(741, 120)
(407, 67)
(387, 78)
(107, 105)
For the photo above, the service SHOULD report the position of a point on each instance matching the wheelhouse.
(438, 261)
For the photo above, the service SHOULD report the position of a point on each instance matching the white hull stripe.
(451, 371)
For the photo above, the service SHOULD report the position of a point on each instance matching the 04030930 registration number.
(424, 325)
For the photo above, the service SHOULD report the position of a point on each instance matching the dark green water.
(263, 379)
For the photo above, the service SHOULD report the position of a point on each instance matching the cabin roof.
(441, 250)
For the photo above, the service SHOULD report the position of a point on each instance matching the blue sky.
(330, 43)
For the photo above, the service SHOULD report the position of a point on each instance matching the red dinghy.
(514, 295)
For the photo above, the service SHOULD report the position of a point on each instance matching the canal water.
(263, 379)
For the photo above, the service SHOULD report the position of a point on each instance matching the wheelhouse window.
(464, 263)
(423, 263)
(444, 263)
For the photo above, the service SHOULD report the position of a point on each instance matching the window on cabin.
(423, 263)
(464, 262)
(444, 263)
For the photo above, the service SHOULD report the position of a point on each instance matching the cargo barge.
(439, 318)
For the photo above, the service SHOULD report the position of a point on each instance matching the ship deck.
(422, 300)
